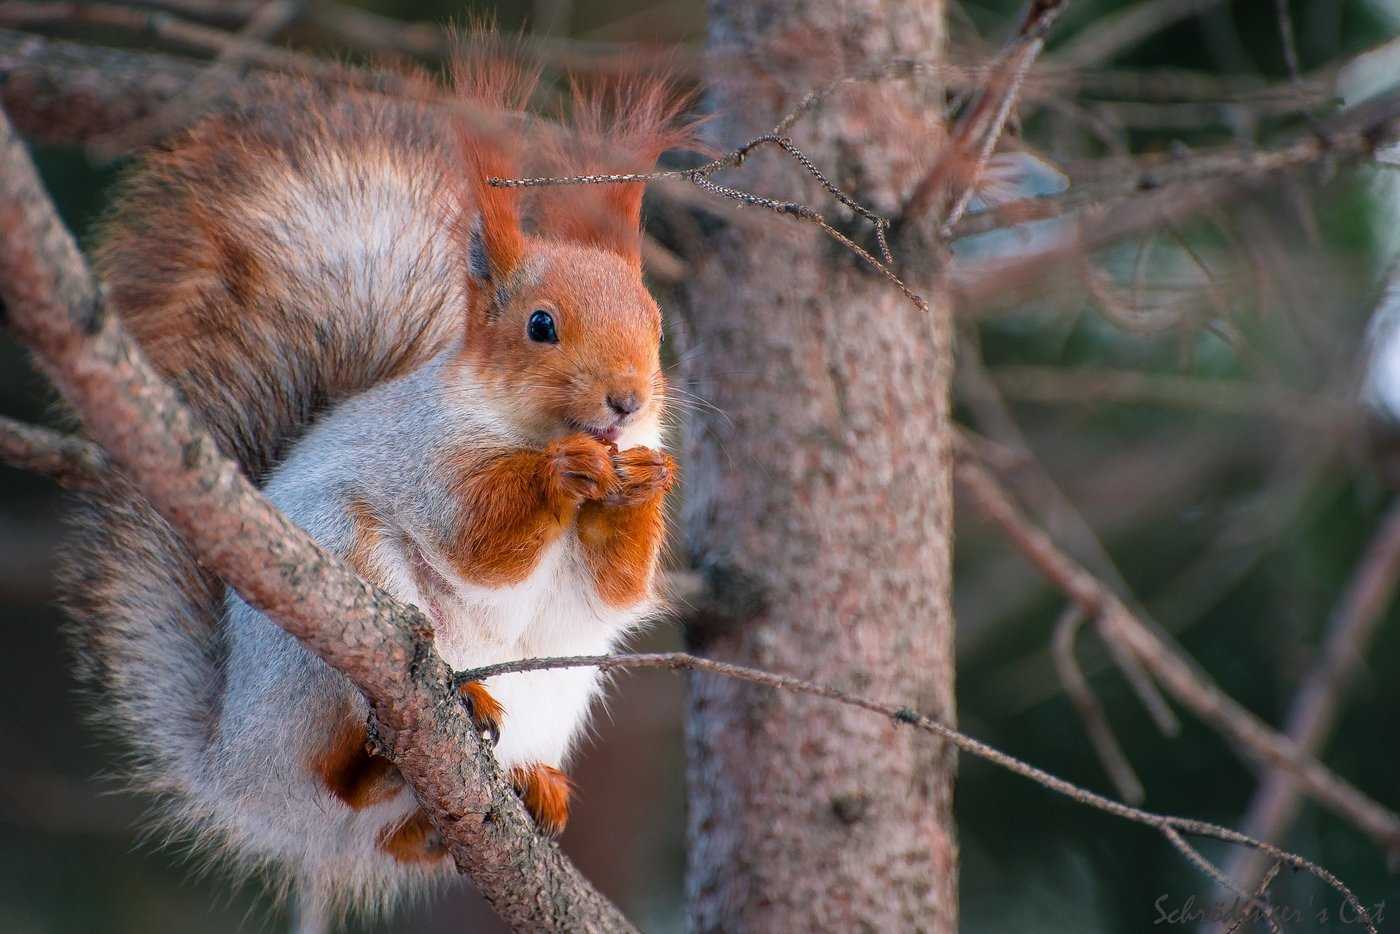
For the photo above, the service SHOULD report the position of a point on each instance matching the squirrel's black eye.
(540, 328)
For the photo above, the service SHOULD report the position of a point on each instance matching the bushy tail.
(274, 261)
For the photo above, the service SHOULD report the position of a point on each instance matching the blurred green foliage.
(1244, 559)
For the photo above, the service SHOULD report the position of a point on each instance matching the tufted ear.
(617, 128)
(494, 241)
(493, 78)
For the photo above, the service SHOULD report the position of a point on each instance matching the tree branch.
(1190, 686)
(1317, 704)
(56, 308)
(72, 462)
(1169, 826)
(1111, 34)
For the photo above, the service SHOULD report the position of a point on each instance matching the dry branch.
(1091, 713)
(1169, 826)
(1190, 686)
(1196, 178)
(72, 462)
(56, 308)
(1318, 703)
(1233, 397)
(1123, 29)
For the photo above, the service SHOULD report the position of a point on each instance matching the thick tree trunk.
(818, 502)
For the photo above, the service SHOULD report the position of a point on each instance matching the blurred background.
(1206, 416)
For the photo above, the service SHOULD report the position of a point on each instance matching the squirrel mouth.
(608, 435)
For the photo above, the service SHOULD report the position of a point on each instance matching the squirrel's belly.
(553, 612)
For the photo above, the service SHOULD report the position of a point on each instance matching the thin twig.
(1288, 40)
(994, 416)
(700, 177)
(951, 182)
(1224, 397)
(1196, 858)
(72, 462)
(1125, 28)
(1091, 712)
(1259, 892)
(1318, 703)
(1185, 682)
(1170, 826)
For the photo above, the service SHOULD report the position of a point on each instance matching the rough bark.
(818, 504)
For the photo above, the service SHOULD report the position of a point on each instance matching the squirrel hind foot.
(350, 772)
(415, 841)
(546, 792)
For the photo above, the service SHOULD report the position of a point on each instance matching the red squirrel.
(458, 392)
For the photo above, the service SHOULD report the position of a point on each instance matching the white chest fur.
(555, 611)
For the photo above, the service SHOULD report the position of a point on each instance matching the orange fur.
(415, 841)
(620, 127)
(546, 792)
(487, 712)
(348, 770)
(364, 547)
(609, 332)
(517, 504)
(622, 534)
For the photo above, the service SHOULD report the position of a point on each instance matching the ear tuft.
(619, 126)
(494, 79)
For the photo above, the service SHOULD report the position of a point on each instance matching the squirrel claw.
(486, 712)
(642, 473)
(581, 467)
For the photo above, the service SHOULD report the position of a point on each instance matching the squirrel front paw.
(580, 467)
(641, 474)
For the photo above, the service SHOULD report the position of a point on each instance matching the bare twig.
(985, 400)
(1195, 857)
(950, 184)
(1259, 892)
(72, 462)
(1318, 702)
(1234, 397)
(1169, 826)
(1288, 40)
(1091, 712)
(1125, 28)
(1185, 682)
(701, 178)
(1354, 134)
(56, 308)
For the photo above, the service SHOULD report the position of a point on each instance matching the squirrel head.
(561, 332)
(564, 337)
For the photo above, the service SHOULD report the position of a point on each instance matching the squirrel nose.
(624, 403)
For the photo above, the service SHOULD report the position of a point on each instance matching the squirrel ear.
(489, 230)
(494, 248)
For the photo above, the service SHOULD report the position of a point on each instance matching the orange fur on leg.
(545, 791)
(515, 505)
(415, 840)
(348, 770)
(622, 534)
